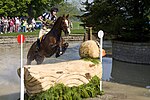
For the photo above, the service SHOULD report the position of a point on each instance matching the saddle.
(42, 38)
(39, 41)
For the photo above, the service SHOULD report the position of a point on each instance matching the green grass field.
(77, 29)
(76, 25)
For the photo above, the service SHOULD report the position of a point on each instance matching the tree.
(68, 8)
(124, 19)
(31, 8)
(12, 8)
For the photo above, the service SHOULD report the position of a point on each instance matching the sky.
(79, 2)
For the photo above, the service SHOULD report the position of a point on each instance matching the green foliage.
(68, 8)
(125, 20)
(32, 8)
(95, 61)
(62, 92)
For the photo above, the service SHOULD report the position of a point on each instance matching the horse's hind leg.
(30, 58)
(39, 59)
(29, 62)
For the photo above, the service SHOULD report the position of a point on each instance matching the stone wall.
(131, 52)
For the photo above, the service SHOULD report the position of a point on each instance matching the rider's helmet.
(54, 9)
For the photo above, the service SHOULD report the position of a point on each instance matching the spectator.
(33, 23)
(11, 25)
(17, 23)
(24, 24)
(5, 24)
(1, 25)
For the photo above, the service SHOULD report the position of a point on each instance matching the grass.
(76, 25)
(77, 31)
(94, 60)
(34, 33)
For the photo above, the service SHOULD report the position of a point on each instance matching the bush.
(62, 92)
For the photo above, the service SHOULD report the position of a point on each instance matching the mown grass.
(77, 31)
(76, 25)
(34, 33)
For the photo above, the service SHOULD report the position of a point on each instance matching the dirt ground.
(116, 91)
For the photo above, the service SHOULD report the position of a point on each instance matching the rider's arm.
(40, 18)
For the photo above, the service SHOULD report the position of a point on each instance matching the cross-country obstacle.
(38, 78)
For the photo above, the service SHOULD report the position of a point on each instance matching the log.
(40, 78)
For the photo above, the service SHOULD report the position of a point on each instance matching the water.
(116, 71)
(129, 73)
(124, 72)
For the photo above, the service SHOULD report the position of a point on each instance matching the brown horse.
(51, 42)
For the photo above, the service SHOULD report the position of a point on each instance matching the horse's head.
(65, 25)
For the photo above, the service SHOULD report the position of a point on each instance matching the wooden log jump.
(39, 78)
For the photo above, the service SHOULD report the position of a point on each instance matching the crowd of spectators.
(16, 24)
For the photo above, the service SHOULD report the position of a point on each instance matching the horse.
(51, 42)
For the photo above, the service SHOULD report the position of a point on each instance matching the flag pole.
(100, 35)
(22, 71)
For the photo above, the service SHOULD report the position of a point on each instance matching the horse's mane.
(55, 26)
(56, 23)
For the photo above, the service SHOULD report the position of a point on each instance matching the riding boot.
(38, 44)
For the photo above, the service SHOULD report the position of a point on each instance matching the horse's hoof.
(66, 44)
(60, 53)
(57, 55)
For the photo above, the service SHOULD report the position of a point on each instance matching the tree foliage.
(124, 19)
(68, 8)
(34, 8)
(31, 8)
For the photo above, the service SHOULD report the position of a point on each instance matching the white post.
(22, 71)
(100, 35)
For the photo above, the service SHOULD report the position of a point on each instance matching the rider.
(48, 20)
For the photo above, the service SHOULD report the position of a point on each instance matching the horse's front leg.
(64, 47)
(61, 49)
(57, 52)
